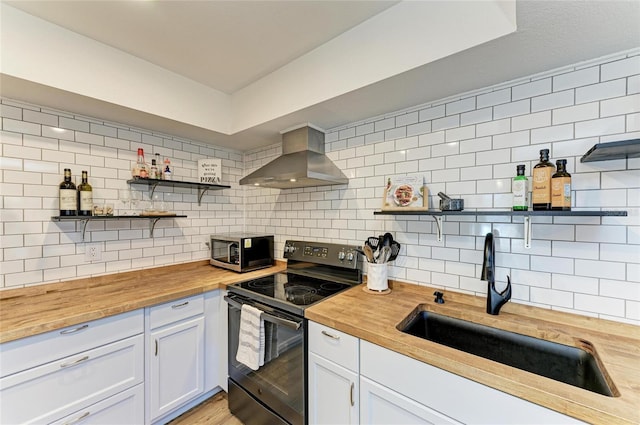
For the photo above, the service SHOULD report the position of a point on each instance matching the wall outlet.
(93, 253)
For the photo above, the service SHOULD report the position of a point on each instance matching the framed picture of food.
(405, 193)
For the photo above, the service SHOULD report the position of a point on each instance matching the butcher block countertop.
(374, 318)
(42, 308)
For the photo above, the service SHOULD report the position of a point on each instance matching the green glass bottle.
(520, 189)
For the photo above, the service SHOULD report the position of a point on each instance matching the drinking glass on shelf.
(125, 198)
(135, 198)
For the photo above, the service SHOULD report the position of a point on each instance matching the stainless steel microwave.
(241, 252)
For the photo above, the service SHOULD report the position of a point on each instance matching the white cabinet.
(445, 394)
(333, 376)
(125, 408)
(77, 368)
(380, 405)
(214, 350)
(175, 358)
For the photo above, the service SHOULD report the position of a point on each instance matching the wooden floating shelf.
(153, 219)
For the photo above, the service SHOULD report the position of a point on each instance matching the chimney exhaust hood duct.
(302, 164)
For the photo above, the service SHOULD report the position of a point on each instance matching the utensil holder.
(377, 277)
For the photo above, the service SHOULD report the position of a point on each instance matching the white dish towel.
(252, 339)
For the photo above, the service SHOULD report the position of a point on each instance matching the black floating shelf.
(613, 150)
(202, 187)
(508, 213)
(153, 219)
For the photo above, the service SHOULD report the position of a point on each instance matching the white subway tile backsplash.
(460, 106)
(578, 78)
(599, 304)
(494, 98)
(467, 147)
(552, 101)
(621, 68)
(587, 111)
(600, 127)
(506, 110)
(445, 123)
(620, 105)
(601, 91)
(532, 89)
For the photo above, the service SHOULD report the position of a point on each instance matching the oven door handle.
(266, 316)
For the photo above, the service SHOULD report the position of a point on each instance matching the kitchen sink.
(572, 365)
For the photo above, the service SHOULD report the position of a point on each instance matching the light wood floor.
(214, 411)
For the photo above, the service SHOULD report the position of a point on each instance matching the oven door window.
(280, 382)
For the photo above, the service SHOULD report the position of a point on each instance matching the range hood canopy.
(302, 164)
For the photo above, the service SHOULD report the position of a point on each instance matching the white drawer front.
(57, 389)
(174, 311)
(334, 345)
(125, 408)
(37, 350)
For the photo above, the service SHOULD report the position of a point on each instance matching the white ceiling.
(228, 45)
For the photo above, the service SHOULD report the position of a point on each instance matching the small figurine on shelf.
(166, 174)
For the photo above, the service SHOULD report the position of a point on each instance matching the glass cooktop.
(292, 288)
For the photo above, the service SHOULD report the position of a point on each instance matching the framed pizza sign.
(405, 193)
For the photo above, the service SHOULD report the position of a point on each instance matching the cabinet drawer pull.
(325, 333)
(75, 362)
(156, 348)
(353, 385)
(180, 305)
(74, 330)
(78, 419)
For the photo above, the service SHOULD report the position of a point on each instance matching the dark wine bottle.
(67, 195)
(85, 196)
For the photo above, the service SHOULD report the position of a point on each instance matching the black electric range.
(314, 272)
(276, 392)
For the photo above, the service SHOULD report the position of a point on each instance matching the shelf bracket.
(84, 227)
(152, 225)
(527, 231)
(201, 192)
(438, 219)
(152, 188)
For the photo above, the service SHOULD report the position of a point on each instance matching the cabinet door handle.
(74, 330)
(180, 305)
(75, 362)
(353, 387)
(78, 419)
(156, 347)
(325, 333)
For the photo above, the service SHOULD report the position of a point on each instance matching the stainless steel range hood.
(302, 164)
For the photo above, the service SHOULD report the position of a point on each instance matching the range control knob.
(341, 255)
(350, 256)
(289, 249)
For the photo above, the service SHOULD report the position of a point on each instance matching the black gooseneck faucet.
(495, 299)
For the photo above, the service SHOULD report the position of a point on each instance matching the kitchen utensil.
(385, 253)
(395, 249)
(368, 253)
(373, 242)
(450, 204)
(387, 239)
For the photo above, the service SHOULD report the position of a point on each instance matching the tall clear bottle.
(542, 173)
(561, 187)
(520, 189)
(67, 195)
(85, 196)
(141, 166)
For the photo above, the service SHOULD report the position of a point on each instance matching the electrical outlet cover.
(93, 252)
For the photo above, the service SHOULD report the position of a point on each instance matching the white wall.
(469, 146)
(36, 145)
